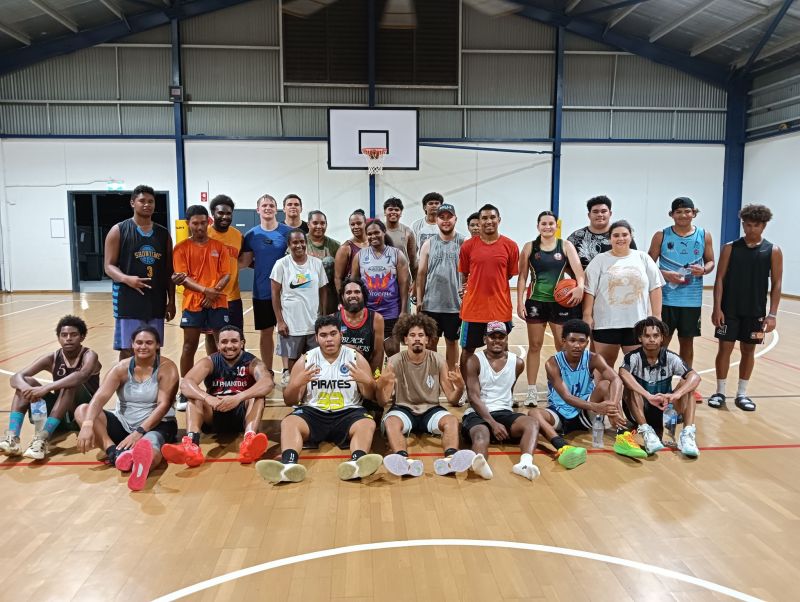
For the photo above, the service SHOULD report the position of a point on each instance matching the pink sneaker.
(124, 460)
(142, 459)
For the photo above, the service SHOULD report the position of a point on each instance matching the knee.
(80, 412)
(479, 435)
(448, 424)
(530, 424)
(365, 427)
(603, 387)
(747, 350)
(535, 347)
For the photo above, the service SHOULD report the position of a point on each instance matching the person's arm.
(588, 309)
(277, 307)
(689, 382)
(654, 283)
(29, 393)
(361, 373)
(701, 269)
(577, 271)
(115, 377)
(463, 267)
(613, 406)
(717, 317)
(355, 268)
(655, 302)
(776, 286)
(298, 380)
(411, 249)
(190, 383)
(630, 383)
(422, 274)
(402, 282)
(384, 386)
(513, 267)
(245, 259)
(340, 265)
(170, 310)
(655, 245)
(323, 288)
(376, 362)
(451, 382)
(522, 281)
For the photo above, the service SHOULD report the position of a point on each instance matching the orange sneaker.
(697, 397)
(253, 447)
(185, 452)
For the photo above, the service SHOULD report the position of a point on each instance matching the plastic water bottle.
(38, 415)
(683, 273)
(598, 430)
(670, 421)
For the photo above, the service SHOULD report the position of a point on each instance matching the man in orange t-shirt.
(221, 208)
(203, 267)
(486, 264)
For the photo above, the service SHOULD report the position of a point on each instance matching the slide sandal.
(745, 403)
(717, 400)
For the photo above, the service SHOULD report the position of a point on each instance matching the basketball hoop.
(374, 157)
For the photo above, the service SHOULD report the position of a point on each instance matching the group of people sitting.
(343, 312)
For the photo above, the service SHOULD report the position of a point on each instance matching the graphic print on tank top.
(61, 369)
(547, 268)
(229, 380)
(379, 275)
(333, 389)
(142, 254)
(360, 336)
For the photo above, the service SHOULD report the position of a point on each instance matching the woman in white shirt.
(623, 286)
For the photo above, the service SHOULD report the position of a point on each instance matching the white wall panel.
(771, 177)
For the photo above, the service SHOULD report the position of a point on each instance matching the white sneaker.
(37, 450)
(652, 443)
(363, 467)
(402, 466)
(460, 461)
(530, 471)
(181, 402)
(463, 400)
(687, 444)
(9, 444)
(284, 379)
(481, 467)
(278, 472)
(532, 400)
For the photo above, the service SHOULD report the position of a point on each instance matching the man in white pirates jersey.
(330, 383)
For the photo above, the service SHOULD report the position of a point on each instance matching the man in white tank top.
(491, 376)
(328, 385)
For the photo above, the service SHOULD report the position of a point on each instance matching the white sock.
(741, 390)
(481, 467)
(721, 382)
(533, 388)
(526, 459)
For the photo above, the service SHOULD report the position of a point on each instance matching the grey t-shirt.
(442, 282)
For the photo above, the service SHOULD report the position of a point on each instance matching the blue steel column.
(177, 108)
(371, 26)
(735, 135)
(558, 109)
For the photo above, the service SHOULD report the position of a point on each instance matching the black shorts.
(472, 334)
(117, 433)
(448, 325)
(263, 314)
(388, 327)
(333, 427)
(232, 421)
(615, 336)
(542, 312)
(741, 328)
(582, 421)
(207, 320)
(686, 320)
(473, 419)
(652, 415)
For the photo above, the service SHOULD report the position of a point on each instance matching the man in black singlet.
(747, 268)
(236, 383)
(76, 377)
(138, 257)
(361, 328)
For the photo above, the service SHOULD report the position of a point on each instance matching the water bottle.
(38, 415)
(598, 430)
(683, 272)
(670, 421)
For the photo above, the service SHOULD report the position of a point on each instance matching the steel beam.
(55, 15)
(734, 31)
(767, 34)
(733, 170)
(15, 33)
(660, 32)
(620, 15)
(608, 7)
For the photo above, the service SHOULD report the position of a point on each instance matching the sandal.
(717, 400)
(745, 403)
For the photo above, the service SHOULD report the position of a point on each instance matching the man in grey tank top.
(143, 419)
(438, 286)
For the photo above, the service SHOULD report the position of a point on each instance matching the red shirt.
(489, 266)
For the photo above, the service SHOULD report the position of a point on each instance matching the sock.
(526, 459)
(532, 388)
(403, 453)
(357, 454)
(449, 452)
(195, 438)
(558, 441)
(721, 382)
(249, 431)
(15, 423)
(51, 424)
(741, 390)
(289, 456)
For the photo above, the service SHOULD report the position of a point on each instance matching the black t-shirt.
(146, 255)
(303, 226)
(589, 245)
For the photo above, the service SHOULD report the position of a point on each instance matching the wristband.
(772, 316)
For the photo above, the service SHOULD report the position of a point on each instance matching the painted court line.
(32, 308)
(469, 543)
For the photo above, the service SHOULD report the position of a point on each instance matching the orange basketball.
(562, 291)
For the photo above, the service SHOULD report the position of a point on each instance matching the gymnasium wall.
(641, 179)
(771, 177)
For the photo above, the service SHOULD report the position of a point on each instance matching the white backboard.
(350, 130)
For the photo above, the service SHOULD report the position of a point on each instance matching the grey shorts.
(294, 347)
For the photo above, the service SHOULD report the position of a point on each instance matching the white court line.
(32, 308)
(474, 543)
(765, 350)
(248, 311)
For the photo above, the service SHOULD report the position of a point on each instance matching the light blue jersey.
(579, 382)
(678, 253)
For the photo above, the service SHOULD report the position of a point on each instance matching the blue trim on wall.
(177, 111)
(735, 135)
(636, 141)
(558, 119)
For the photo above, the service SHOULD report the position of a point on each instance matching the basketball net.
(374, 157)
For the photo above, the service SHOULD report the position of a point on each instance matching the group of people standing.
(339, 309)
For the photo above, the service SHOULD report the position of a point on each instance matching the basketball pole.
(372, 195)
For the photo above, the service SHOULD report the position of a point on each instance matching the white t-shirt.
(423, 231)
(621, 288)
(300, 286)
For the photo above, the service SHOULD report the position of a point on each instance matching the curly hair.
(409, 321)
(650, 322)
(75, 322)
(755, 213)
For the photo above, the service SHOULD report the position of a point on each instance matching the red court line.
(792, 366)
(421, 455)
(48, 344)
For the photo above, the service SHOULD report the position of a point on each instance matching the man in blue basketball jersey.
(685, 253)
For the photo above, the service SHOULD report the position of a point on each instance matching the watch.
(140, 430)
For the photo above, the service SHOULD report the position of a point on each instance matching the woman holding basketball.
(546, 260)
(623, 286)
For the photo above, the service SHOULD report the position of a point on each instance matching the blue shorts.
(125, 327)
(205, 319)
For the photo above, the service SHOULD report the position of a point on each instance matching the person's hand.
(673, 277)
(388, 378)
(659, 400)
(359, 374)
(575, 296)
(420, 307)
(769, 323)
(717, 317)
(606, 408)
(170, 311)
(499, 431)
(137, 284)
(310, 372)
(86, 437)
(32, 394)
(589, 320)
(521, 313)
(228, 403)
(697, 270)
(129, 441)
(462, 290)
(211, 295)
(178, 278)
(455, 378)
(282, 328)
(618, 420)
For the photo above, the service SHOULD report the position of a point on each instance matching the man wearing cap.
(685, 253)
(438, 282)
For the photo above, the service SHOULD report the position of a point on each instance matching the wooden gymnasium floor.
(731, 519)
